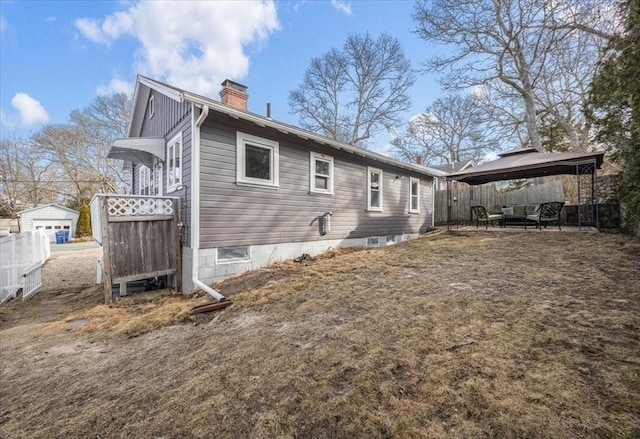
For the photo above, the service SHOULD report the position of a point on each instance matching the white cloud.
(116, 85)
(192, 44)
(3, 23)
(341, 6)
(51, 19)
(31, 111)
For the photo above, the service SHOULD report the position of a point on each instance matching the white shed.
(50, 218)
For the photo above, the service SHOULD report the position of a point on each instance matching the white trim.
(380, 189)
(413, 180)
(177, 139)
(151, 107)
(313, 157)
(242, 140)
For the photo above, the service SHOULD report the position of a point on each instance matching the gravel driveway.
(71, 269)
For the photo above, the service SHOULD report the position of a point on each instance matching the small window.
(233, 254)
(144, 180)
(48, 227)
(152, 107)
(391, 239)
(174, 162)
(373, 241)
(66, 227)
(321, 174)
(57, 227)
(374, 189)
(414, 195)
(156, 179)
(256, 161)
(38, 227)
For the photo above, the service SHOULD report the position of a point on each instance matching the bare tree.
(24, 176)
(103, 121)
(450, 130)
(354, 93)
(517, 43)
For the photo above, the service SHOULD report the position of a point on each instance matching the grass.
(509, 335)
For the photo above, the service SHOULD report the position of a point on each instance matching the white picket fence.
(21, 259)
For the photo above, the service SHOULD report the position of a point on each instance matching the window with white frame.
(174, 162)
(151, 110)
(256, 160)
(233, 254)
(374, 189)
(156, 183)
(144, 180)
(414, 195)
(321, 174)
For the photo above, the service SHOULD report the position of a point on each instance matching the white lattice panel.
(139, 206)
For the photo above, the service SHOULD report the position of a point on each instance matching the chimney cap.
(228, 83)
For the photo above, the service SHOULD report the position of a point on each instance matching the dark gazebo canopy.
(529, 163)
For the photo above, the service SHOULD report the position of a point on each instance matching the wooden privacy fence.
(489, 197)
(21, 259)
(140, 238)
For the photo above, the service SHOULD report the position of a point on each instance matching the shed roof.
(529, 163)
(44, 206)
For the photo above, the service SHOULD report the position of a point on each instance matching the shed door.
(50, 227)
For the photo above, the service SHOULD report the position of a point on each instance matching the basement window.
(233, 254)
(373, 241)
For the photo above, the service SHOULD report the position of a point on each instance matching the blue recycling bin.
(66, 235)
(59, 237)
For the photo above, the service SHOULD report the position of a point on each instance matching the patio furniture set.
(538, 215)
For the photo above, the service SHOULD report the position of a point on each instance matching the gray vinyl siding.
(184, 206)
(168, 114)
(242, 215)
(170, 118)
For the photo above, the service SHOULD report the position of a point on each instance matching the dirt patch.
(457, 335)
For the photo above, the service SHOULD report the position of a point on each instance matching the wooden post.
(178, 248)
(106, 248)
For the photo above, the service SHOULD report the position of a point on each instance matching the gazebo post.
(579, 196)
(448, 203)
(594, 193)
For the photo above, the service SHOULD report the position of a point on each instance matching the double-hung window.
(374, 189)
(144, 180)
(414, 195)
(256, 160)
(174, 162)
(321, 173)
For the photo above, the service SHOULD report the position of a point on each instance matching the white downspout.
(195, 205)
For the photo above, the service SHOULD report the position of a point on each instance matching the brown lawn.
(452, 335)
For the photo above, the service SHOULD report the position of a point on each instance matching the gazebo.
(529, 163)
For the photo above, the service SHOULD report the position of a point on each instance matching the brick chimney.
(420, 159)
(234, 94)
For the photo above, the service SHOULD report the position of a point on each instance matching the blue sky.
(56, 56)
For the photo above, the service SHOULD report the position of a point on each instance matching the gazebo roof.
(529, 163)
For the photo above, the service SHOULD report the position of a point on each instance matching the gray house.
(254, 191)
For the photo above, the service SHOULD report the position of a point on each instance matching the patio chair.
(546, 213)
(482, 216)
